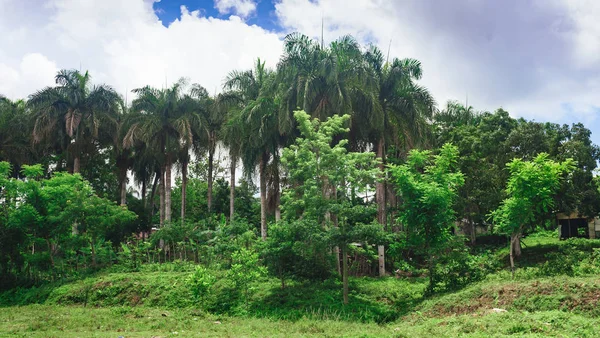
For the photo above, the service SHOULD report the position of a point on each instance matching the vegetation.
(360, 201)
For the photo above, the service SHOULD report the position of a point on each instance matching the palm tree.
(193, 111)
(163, 126)
(212, 115)
(394, 114)
(74, 108)
(122, 155)
(261, 132)
(230, 135)
(320, 80)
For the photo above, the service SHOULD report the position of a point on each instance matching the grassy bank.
(556, 293)
(76, 321)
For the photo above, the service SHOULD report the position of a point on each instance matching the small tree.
(530, 191)
(428, 187)
(323, 176)
(245, 269)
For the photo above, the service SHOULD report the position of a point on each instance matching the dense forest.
(336, 163)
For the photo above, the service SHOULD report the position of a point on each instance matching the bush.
(456, 267)
(200, 282)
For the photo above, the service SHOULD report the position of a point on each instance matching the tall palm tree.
(394, 114)
(74, 108)
(230, 134)
(212, 115)
(320, 80)
(162, 125)
(261, 132)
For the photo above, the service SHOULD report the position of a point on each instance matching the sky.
(538, 59)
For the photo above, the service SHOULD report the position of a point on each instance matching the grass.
(156, 301)
(77, 321)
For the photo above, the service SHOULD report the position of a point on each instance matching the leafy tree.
(428, 187)
(15, 145)
(530, 191)
(245, 269)
(316, 163)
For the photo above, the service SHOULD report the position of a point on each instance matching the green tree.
(74, 108)
(428, 187)
(162, 121)
(316, 162)
(15, 145)
(392, 113)
(530, 191)
(261, 121)
(245, 270)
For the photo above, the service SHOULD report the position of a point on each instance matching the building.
(575, 225)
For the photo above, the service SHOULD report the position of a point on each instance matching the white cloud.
(33, 68)
(242, 8)
(534, 58)
(123, 43)
(526, 56)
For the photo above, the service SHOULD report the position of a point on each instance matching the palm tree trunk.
(232, 187)
(168, 190)
(184, 179)
(380, 199)
(277, 194)
(123, 192)
(153, 192)
(143, 193)
(76, 164)
(162, 197)
(263, 195)
(211, 158)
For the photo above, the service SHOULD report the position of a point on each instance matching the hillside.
(157, 301)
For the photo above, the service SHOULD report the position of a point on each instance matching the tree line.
(361, 168)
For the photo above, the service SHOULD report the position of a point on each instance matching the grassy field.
(549, 298)
(77, 321)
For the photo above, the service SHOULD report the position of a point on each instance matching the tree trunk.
(512, 259)
(233, 164)
(168, 190)
(473, 234)
(50, 252)
(211, 158)
(161, 192)
(76, 164)
(380, 193)
(153, 192)
(277, 199)
(334, 219)
(263, 195)
(93, 250)
(184, 179)
(345, 274)
(143, 193)
(517, 245)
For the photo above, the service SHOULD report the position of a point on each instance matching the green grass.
(77, 321)
(156, 301)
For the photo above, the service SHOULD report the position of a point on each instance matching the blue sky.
(536, 59)
(169, 10)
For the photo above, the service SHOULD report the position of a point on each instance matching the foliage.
(324, 176)
(245, 270)
(200, 282)
(428, 186)
(530, 191)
